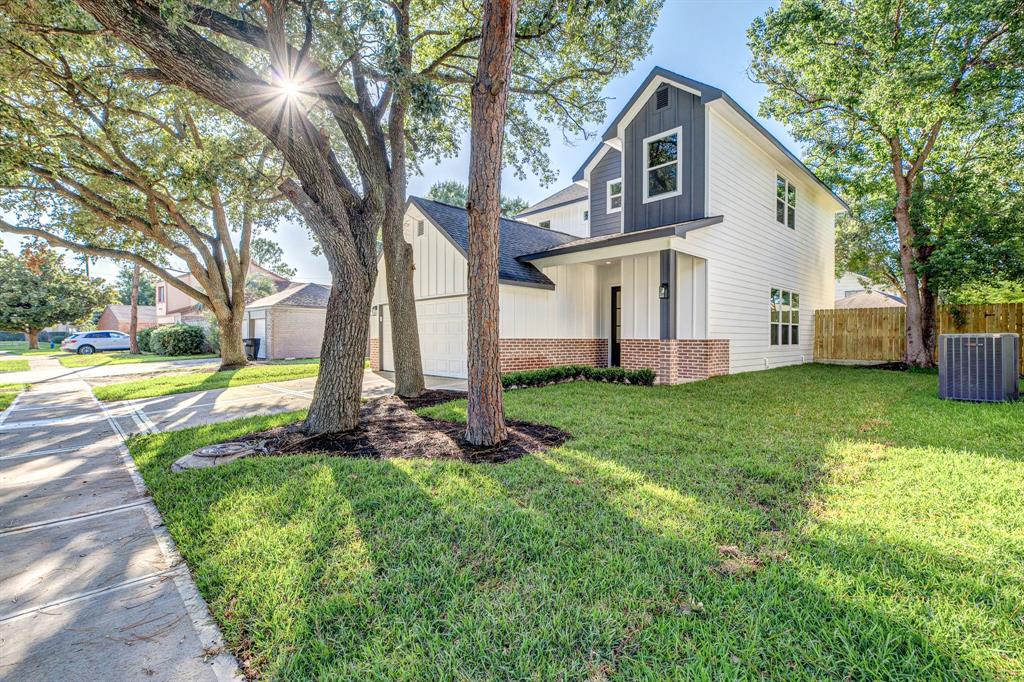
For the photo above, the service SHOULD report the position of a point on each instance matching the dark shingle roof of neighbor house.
(298, 294)
(516, 239)
(708, 93)
(563, 197)
(123, 313)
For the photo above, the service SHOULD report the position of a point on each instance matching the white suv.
(86, 343)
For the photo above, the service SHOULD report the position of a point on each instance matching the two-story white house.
(692, 242)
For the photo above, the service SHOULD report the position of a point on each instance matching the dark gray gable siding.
(608, 168)
(685, 110)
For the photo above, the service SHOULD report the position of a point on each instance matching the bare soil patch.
(391, 429)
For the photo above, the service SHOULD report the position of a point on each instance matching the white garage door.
(442, 326)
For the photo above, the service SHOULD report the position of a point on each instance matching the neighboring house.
(117, 317)
(857, 291)
(567, 210)
(175, 306)
(290, 323)
(708, 246)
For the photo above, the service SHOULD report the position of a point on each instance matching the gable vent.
(419, 228)
(661, 98)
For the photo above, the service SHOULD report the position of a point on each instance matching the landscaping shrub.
(562, 373)
(145, 338)
(212, 335)
(177, 339)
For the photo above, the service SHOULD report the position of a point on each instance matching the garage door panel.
(443, 332)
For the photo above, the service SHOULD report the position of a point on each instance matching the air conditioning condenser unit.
(979, 367)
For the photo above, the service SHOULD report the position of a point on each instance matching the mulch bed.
(391, 429)
(888, 366)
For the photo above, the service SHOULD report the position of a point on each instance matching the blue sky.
(702, 39)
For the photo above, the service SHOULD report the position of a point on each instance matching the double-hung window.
(785, 202)
(784, 325)
(614, 204)
(663, 165)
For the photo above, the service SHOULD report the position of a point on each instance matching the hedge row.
(554, 375)
(144, 338)
(177, 339)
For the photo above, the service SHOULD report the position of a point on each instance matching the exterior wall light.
(663, 290)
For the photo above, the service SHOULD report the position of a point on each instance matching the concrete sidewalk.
(48, 369)
(91, 585)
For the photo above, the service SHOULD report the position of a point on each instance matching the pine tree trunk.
(133, 323)
(33, 339)
(485, 420)
(339, 386)
(232, 353)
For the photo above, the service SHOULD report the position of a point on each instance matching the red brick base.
(676, 361)
(375, 355)
(520, 354)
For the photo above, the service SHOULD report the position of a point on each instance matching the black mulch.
(390, 428)
(888, 366)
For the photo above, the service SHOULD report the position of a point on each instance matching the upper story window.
(546, 224)
(784, 325)
(785, 202)
(614, 204)
(662, 165)
(586, 215)
(160, 294)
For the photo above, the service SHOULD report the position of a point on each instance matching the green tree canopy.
(456, 193)
(123, 286)
(897, 103)
(268, 254)
(37, 291)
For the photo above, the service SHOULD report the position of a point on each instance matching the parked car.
(87, 343)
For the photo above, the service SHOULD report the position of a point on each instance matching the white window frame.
(785, 201)
(542, 224)
(784, 308)
(608, 196)
(678, 132)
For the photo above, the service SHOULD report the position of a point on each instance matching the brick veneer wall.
(375, 355)
(677, 360)
(520, 354)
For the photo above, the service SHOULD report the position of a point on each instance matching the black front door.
(616, 331)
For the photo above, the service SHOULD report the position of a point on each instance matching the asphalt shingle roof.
(308, 295)
(566, 195)
(516, 239)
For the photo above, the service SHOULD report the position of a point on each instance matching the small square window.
(614, 204)
(546, 224)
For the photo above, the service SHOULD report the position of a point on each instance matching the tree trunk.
(336, 398)
(398, 269)
(133, 323)
(919, 351)
(232, 353)
(33, 339)
(485, 421)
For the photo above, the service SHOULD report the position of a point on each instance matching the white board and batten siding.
(569, 218)
(750, 253)
(439, 282)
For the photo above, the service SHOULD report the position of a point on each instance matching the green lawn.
(13, 365)
(121, 358)
(8, 392)
(888, 526)
(281, 370)
(21, 348)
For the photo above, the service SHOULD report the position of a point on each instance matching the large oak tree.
(878, 91)
(354, 96)
(126, 169)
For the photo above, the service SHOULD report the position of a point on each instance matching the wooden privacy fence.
(879, 334)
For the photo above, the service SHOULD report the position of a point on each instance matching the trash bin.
(252, 348)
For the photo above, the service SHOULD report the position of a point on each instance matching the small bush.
(178, 339)
(145, 337)
(212, 344)
(562, 373)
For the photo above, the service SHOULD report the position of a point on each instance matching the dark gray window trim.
(678, 230)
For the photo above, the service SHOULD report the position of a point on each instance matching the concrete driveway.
(47, 368)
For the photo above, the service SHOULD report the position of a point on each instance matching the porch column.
(668, 305)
